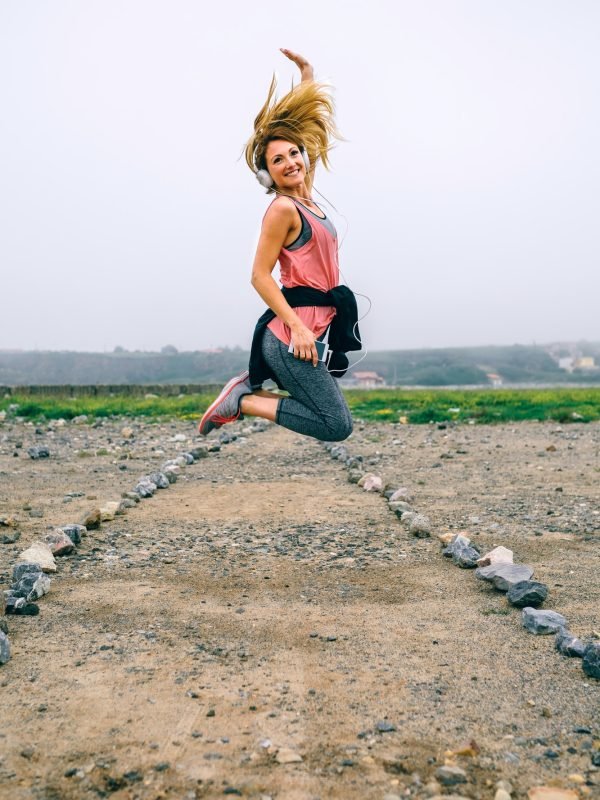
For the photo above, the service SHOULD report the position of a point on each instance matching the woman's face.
(285, 164)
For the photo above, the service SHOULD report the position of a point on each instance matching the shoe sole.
(225, 391)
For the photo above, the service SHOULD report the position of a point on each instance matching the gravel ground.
(264, 628)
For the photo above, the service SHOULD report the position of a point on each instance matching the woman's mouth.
(292, 172)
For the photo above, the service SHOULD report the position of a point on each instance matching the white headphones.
(263, 177)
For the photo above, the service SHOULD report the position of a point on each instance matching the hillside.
(465, 366)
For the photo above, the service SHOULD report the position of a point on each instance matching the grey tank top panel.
(306, 231)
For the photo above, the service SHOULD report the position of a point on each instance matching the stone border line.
(495, 567)
(30, 573)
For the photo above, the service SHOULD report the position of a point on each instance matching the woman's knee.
(338, 430)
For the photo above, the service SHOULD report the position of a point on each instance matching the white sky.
(470, 179)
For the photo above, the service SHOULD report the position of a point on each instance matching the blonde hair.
(304, 116)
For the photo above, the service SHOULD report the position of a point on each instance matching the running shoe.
(226, 407)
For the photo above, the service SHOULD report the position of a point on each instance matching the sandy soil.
(265, 608)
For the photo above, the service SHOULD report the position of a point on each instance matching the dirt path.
(263, 607)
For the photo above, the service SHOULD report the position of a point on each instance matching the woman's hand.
(306, 70)
(304, 344)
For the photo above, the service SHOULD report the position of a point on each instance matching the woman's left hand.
(306, 70)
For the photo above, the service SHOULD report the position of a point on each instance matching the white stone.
(39, 553)
(373, 483)
(108, 510)
(365, 477)
(402, 494)
(287, 756)
(499, 555)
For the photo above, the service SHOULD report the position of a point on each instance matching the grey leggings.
(316, 406)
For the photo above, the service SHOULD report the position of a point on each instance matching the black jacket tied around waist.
(343, 331)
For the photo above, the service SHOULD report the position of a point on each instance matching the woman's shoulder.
(282, 209)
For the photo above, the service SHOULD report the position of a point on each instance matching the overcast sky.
(470, 178)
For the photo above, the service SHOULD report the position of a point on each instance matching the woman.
(290, 136)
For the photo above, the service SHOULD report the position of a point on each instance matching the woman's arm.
(278, 222)
(307, 73)
(306, 70)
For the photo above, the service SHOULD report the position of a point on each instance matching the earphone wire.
(358, 294)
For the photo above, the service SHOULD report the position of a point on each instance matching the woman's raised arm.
(306, 70)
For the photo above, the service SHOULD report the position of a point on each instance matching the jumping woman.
(311, 321)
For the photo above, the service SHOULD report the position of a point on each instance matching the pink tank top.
(313, 264)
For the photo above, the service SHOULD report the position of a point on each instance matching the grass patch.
(419, 406)
(484, 406)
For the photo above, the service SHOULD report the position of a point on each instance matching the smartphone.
(322, 350)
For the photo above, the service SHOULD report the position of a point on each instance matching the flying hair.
(304, 116)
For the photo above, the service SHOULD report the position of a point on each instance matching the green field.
(411, 406)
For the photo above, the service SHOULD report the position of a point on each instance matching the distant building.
(567, 362)
(367, 380)
(584, 362)
(494, 379)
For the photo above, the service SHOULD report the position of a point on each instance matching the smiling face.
(285, 164)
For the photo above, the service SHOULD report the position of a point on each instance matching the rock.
(402, 494)
(39, 553)
(226, 437)
(569, 645)
(406, 516)
(355, 462)
(92, 520)
(131, 496)
(419, 525)
(372, 483)
(383, 726)
(171, 474)
(503, 576)
(214, 447)
(20, 607)
(74, 532)
(188, 458)
(10, 538)
(591, 660)
(399, 506)
(25, 568)
(126, 503)
(4, 648)
(543, 622)
(199, 452)
(8, 522)
(506, 785)
(287, 756)
(145, 488)
(339, 452)
(3, 626)
(31, 586)
(127, 433)
(160, 479)
(450, 776)
(551, 793)
(38, 452)
(109, 510)
(499, 555)
(502, 794)
(367, 476)
(462, 552)
(355, 475)
(59, 543)
(508, 575)
(527, 593)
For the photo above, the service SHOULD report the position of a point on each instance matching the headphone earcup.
(263, 177)
(306, 159)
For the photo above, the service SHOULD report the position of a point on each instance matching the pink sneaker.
(226, 407)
